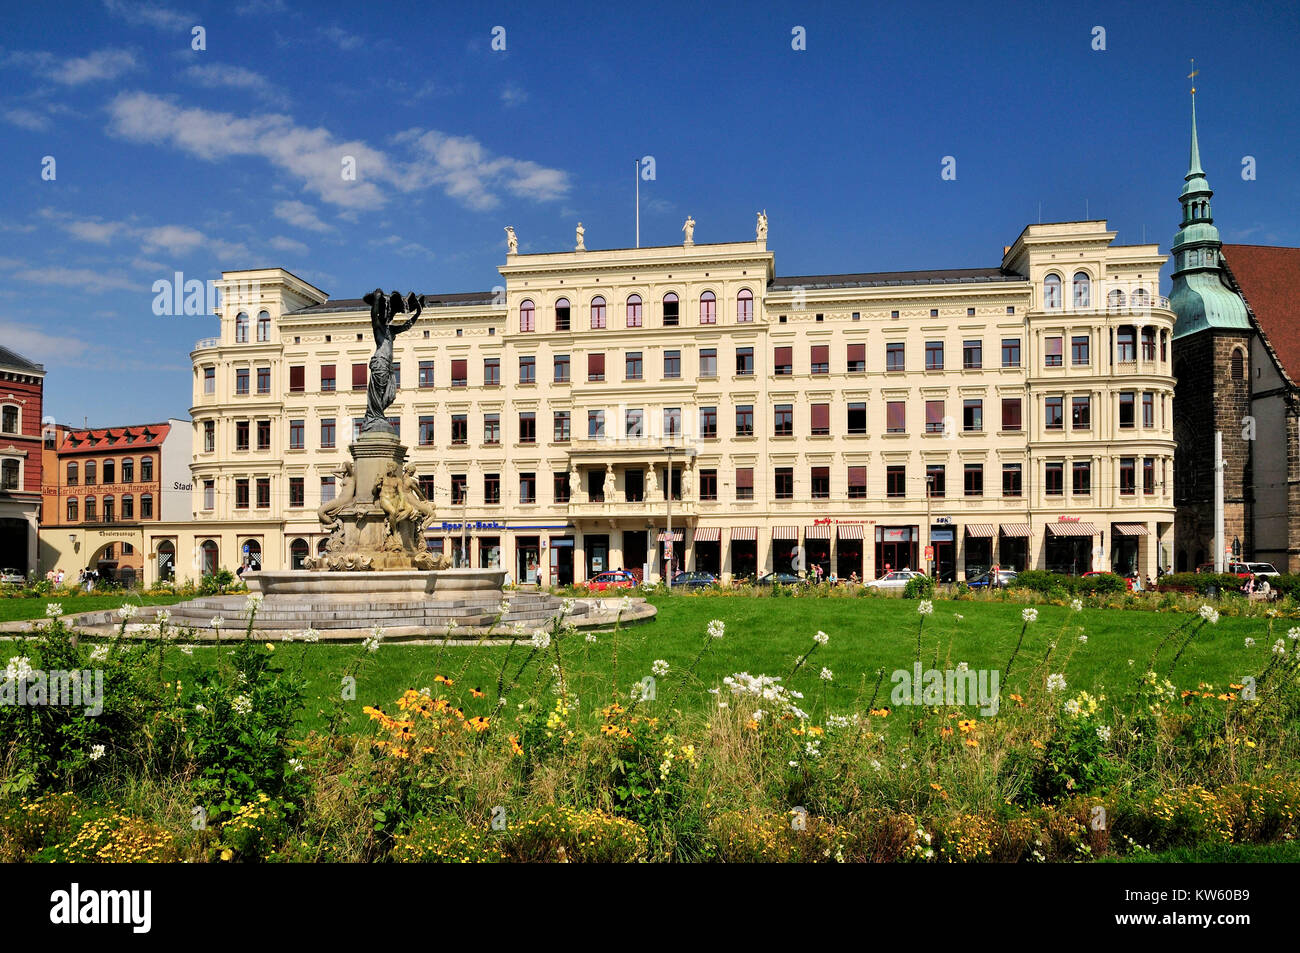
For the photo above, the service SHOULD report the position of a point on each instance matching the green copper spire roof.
(1201, 298)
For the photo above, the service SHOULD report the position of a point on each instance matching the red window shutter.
(744, 478)
(857, 476)
(359, 377)
(1011, 413)
(858, 352)
(326, 373)
(821, 354)
(297, 378)
(459, 369)
(595, 365)
(821, 473)
(896, 415)
(783, 355)
(821, 416)
(933, 412)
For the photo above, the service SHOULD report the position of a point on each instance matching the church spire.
(1194, 161)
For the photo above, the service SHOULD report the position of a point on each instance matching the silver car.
(898, 579)
(12, 577)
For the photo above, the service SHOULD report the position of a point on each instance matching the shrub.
(584, 836)
(919, 587)
(443, 840)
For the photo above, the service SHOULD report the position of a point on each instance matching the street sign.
(929, 552)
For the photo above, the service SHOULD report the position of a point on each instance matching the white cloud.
(462, 166)
(175, 240)
(341, 38)
(512, 95)
(283, 243)
(102, 64)
(94, 231)
(225, 76)
(74, 280)
(37, 345)
(302, 215)
(148, 14)
(27, 119)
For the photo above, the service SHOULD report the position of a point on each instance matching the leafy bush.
(919, 587)
(583, 836)
(1200, 582)
(443, 840)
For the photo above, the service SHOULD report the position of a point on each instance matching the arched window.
(322, 545)
(1082, 290)
(1141, 298)
(253, 554)
(166, 559)
(128, 470)
(210, 557)
(598, 312)
(672, 317)
(72, 474)
(146, 469)
(298, 551)
(562, 314)
(72, 509)
(1115, 299)
(91, 473)
(1052, 291)
(708, 308)
(634, 311)
(526, 316)
(263, 326)
(745, 306)
(241, 328)
(1238, 365)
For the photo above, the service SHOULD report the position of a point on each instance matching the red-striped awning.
(708, 534)
(1131, 529)
(1016, 530)
(785, 532)
(1072, 529)
(822, 531)
(677, 535)
(744, 534)
(980, 530)
(849, 530)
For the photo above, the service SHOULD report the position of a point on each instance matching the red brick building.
(22, 383)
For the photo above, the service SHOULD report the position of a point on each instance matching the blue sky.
(170, 159)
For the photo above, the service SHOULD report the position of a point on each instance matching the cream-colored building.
(1016, 415)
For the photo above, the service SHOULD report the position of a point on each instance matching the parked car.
(1128, 580)
(784, 578)
(898, 579)
(1005, 577)
(12, 577)
(615, 579)
(694, 580)
(1260, 569)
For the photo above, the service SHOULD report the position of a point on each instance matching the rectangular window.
(492, 429)
(894, 356)
(426, 374)
(857, 359)
(632, 366)
(708, 485)
(972, 416)
(1011, 479)
(356, 428)
(264, 380)
(327, 489)
(1148, 475)
(634, 423)
(241, 380)
(896, 482)
(1052, 411)
(209, 436)
(209, 380)
(745, 420)
(708, 423)
(896, 416)
(821, 359)
(857, 483)
(426, 430)
(595, 425)
(672, 421)
(1081, 478)
(783, 361)
(528, 427)
(263, 493)
(1079, 350)
(359, 377)
(459, 488)
(708, 362)
(562, 433)
(241, 495)
(745, 361)
(297, 430)
(491, 489)
(744, 483)
(460, 429)
(1148, 344)
(1011, 352)
(821, 483)
(1128, 475)
(1012, 418)
(972, 355)
(936, 480)
(933, 356)
(1054, 479)
(460, 373)
(1148, 409)
(528, 488)
(327, 433)
(672, 365)
(783, 483)
(974, 479)
(146, 507)
(297, 491)
(821, 420)
(857, 422)
(560, 486)
(1080, 413)
(561, 368)
(327, 380)
(527, 369)
(934, 416)
(1125, 345)
(297, 379)
(241, 438)
(595, 367)
(264, 435)
(783, 420)
(1126, 410)
(492, 371)
(1052, 351)
(209, 494)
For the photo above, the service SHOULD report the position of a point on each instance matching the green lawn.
(765, 635)
(12, 610)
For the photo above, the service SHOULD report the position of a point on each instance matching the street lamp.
(669, 488)
(929, 487)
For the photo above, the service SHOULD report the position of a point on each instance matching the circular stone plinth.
(403, 585)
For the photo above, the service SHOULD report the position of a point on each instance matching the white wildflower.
(1279, 647)
(253, 602)
(242, 705)
(1055, 683)
(963, 667)
(376, 637)
(310, 635)
(925, 608)
(19, 668)
(1077, 605)
(1250, 643)
(296, 764)
(827, 675)
(99, 653)
(1083, 639)
(53, 609)
(659, 667)
(187, 649)
(1103, 732)
(567, 606)
(216, 622)
(127, 611)
(541, 639)
(96, 752)
(717, 628)
(1029, 615)
(1293, 633)
(821, 638)
(591, 637)
(1210, 614)
(163, 616)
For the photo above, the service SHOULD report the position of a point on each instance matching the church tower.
(1212, 357)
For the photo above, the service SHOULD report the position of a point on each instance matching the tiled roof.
(1269, 279)
(873, 279)
(459, 300)
(98, 440)
(11, 359)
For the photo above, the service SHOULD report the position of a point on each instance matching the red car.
(617, 579)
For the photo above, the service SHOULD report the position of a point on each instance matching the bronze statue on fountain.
(377, 519)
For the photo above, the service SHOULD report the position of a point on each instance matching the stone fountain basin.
(379, 586)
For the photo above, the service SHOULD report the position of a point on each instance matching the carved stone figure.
(576, 491)
(611, 486)
(415, 497)
(391, 499)
(686, 482)
(651, 484)
(382, 388)
(762, 226)
(344, 491)
(688, 227)
(512, 243)
(580, 233)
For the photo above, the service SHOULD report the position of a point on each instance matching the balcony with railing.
(204, 344)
